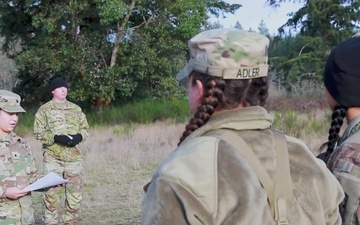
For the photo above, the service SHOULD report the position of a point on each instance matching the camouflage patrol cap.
(10, 102)
(229, 53)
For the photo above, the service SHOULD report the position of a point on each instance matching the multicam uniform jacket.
(51, 120)
(344, 162)
(17, 169)
(207, 181)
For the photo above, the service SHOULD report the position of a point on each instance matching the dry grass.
(119, 161)
(299, 104)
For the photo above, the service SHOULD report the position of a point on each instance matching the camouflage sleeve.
(329, 186)
(84, 126)
(34, 173)
(41, 132)
(31, 169)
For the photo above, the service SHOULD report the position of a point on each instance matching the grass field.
(118, 162)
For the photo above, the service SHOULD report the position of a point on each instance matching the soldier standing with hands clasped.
(17, 166)
(61, 125)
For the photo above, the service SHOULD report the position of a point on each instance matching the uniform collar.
(248, 118)
(55, 105)
(11, 138)
(353, 127)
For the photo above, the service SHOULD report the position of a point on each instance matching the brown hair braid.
(225, 94)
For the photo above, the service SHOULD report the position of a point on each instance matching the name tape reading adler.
(248, 73)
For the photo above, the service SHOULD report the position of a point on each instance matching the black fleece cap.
(342, 73)
(56, 83)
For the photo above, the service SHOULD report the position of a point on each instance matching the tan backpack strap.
(231, 138)
(278, 193)
(283, 184)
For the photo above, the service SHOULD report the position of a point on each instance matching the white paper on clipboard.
(51, 179)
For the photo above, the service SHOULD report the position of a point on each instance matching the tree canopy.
(106, 50)
(113, 52)
(306, 39)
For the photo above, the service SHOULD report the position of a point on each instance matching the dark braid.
(337, 117)
(224, 94)
(337, 121)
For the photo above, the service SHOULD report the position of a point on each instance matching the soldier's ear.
(200, 89)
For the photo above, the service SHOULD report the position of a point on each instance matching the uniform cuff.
(2, 193)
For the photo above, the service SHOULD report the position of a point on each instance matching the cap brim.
(184, 73)
(13, 109)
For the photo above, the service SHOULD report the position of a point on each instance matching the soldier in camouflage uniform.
(17, 166)
(231, 167)
(61, 125)
(342, 80)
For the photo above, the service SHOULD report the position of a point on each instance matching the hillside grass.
(126, 145)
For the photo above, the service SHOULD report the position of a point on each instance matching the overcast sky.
(253, 11)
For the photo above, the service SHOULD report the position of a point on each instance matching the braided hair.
(337, 117)
(225, 94)
(337, 121)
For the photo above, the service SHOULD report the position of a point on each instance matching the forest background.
(120, 58)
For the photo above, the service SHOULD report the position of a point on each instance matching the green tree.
(296, 57)
(318, 27)
(239, 26)
(213, 25)
(331, 20)
(263, 29)
(120, 49)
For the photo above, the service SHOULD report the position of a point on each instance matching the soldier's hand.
(15, 193)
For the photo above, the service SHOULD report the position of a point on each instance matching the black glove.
(77, 138)
(62, 139)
